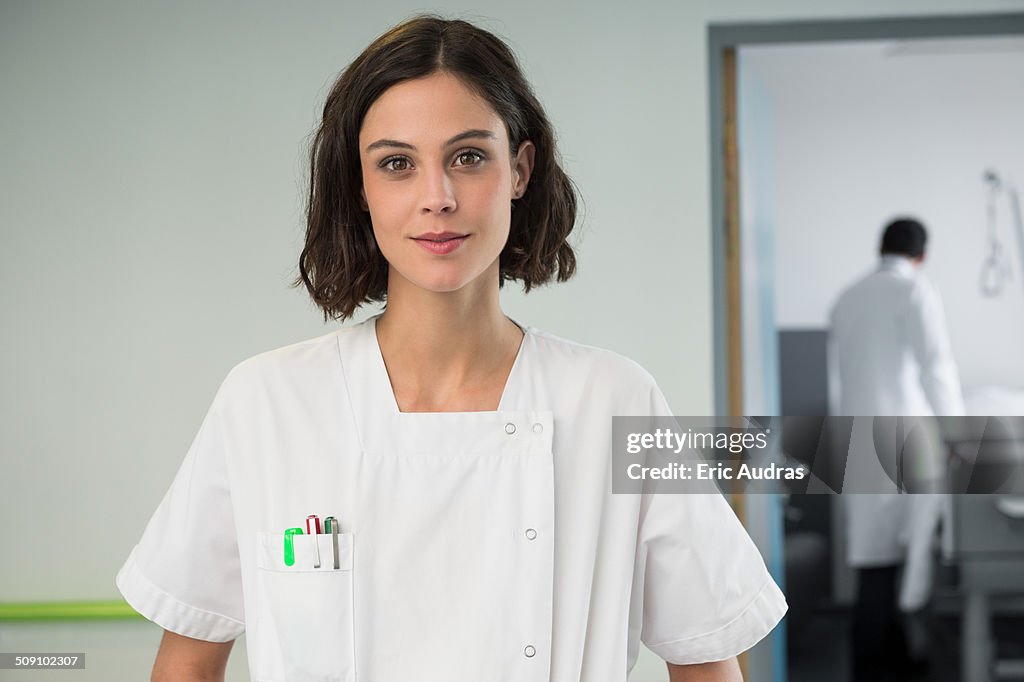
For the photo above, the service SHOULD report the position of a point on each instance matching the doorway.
(748, 369)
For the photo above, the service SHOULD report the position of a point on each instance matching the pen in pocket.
(313, 528)
(289, 545)
(331, 526)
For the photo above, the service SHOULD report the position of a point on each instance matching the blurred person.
(891, 356)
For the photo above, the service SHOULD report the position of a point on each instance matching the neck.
(441, 346)
(898, 260)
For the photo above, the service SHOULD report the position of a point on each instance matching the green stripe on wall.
(67, 610)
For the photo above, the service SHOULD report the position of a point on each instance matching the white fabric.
(892, 346)
(890, 355)
(468, 552)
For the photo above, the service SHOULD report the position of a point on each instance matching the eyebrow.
(469, 134)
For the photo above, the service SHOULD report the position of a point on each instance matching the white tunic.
(891, 346)
(891, 356)
(473, 545)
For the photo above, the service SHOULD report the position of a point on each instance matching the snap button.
(537, 428)
(529, 651)
(510, 428)
(531, 534)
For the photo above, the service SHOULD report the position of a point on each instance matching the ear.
(362, 199)
(522, 167)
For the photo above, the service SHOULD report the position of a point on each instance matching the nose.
(438, 194)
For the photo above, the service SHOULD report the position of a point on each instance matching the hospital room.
(839, 141)
(322, 321)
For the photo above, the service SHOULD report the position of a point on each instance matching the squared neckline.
(383, 379)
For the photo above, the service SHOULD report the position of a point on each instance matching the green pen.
(289, 545)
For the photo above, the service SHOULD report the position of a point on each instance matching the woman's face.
(438, 180)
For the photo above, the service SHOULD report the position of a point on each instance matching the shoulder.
(302, 363)
(565, 360)
(855, 290)
(879, 287)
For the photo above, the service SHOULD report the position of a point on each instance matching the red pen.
(313, 528)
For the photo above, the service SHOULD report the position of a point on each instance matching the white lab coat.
(890, 354)
(482, 545)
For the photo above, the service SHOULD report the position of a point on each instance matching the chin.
(446, 280)
(443, 286)
(444, 277)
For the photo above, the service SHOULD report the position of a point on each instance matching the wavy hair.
(340, 264)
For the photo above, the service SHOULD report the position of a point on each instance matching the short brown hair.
(340, 264)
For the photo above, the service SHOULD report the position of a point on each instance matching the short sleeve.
(184, 574)
(707, 595)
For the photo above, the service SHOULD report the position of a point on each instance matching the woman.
(464, 458)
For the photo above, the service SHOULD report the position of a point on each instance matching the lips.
(438, 236)
(440, 243)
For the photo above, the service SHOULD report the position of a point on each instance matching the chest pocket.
(304, 620)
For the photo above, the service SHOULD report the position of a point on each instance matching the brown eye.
(469, 158)
(395, 164)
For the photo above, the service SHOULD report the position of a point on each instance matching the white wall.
(151, 181)
(863, 132)
(151, 199)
